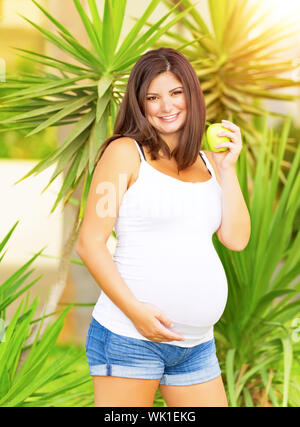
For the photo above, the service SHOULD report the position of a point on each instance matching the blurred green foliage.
(14, 144)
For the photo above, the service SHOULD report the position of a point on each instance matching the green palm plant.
(239, 62)
(263, 279)
(24, 370)
(86, 94)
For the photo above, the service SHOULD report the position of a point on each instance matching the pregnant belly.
(196, 302)
(191, 292)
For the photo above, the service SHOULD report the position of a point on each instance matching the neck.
(171, 140)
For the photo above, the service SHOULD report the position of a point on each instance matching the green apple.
(213, 138)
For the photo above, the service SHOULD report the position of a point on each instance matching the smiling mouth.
(170, 118)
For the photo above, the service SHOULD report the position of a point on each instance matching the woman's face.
(165, 104)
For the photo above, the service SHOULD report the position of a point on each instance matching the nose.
(166, 105)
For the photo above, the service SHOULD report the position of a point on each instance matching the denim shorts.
(110, 354)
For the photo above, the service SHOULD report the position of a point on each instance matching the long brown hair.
(132, 122)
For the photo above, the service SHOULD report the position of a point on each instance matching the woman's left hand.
(227, 159)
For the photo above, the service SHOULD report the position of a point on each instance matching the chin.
(170, 129)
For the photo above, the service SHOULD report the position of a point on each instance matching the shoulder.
(123, 147)
(120, 156)
(121, 152)
(210, 159)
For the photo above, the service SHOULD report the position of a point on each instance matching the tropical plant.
(239, 61)
(14, 145)
(263, 279)
(26, 374)
(87, 95)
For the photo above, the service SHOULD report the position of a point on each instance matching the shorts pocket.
(122, 346)
(96, 344)
(97, 332)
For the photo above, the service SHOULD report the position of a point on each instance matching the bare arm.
(235, 229)
(99, 219)
(109, 184)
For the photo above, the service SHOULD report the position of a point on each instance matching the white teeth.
(170, 118)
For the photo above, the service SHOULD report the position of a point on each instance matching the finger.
(179, 338)
(231, 127)
(172, 336)
(163, 319)
(229, 145)
(226, 133)
(228, 123)
(166, 334)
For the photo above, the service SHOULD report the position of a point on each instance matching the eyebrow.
(154, 93)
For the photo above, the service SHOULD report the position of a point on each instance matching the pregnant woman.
(165, 287)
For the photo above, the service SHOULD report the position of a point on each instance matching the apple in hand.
(213, 138)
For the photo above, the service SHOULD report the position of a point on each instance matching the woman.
(165, 287)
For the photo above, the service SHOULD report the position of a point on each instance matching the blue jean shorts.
(110, 354)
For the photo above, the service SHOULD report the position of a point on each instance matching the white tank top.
(166, 256)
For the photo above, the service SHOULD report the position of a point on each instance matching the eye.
(151, 98)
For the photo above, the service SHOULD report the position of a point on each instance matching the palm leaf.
(88, 94)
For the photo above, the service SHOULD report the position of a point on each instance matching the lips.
(170, 118)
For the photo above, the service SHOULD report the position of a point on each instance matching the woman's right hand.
(149, 321)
